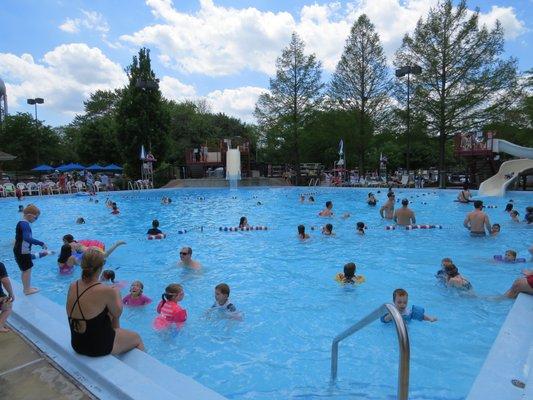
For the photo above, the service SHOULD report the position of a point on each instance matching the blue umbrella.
(113, 167)
(76, 166)
(70, 167)
(95, 167)
(43, 168)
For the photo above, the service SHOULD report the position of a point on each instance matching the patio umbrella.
(6, 156)
(113, 167)
(43, 168)
(95, 167)
(70, 167)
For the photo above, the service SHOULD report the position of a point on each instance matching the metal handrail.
(403, 341)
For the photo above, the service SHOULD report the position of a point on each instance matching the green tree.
(142, 118)
(294, 93)
(31, 141)
(464, 79)
(361, 82)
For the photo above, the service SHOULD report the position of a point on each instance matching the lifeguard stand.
(477, 152)
(147, 167)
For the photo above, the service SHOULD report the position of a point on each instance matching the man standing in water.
(404, 216)
(476, 221)
(387, 211)
(186, 259)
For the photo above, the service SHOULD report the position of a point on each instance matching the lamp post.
(145, 85)
(408, 70)
(34, 102)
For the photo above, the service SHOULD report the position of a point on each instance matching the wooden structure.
(213, 155)
(477, 151)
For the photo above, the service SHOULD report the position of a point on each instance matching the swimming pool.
(293, 308)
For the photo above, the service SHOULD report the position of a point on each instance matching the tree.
(464, 80)
(141, 117)
(361, 81)
(294, 93)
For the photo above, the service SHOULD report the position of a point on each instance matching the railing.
(130, 185)
(403, 341)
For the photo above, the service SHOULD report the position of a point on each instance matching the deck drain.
(518, 383)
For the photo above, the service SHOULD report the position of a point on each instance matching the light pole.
(145, 85)
(408, 70)
(34, 102)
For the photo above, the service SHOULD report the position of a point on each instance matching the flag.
(341, 147)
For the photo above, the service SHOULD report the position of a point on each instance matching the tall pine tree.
(464, 79)
(141, 118)
(294, 93)
(361, 83)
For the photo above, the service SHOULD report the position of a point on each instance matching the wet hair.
(32, 209)
(311, 198)
(68, 238)
(515, 213)
(451, 270)
(329, 203)
(108, 275)
(349, 270)
(361, 227)
(478, 204)
(398, 292)
(405, 202)
(21, 208)
(242, 221)
(155, 223)
(511, 253)
(140, 285)
(80, 220)
(496, 226)
(329, 227)
(92, 261)
(188, 249)
(390, 194)
(529, 209)
(370, 194)
(509, 207)
(446, 260)
(64, 254)
(169, 200)
(171, 291)
(223, 288)
(301, 230)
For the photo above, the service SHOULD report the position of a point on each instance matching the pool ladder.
(403, 342)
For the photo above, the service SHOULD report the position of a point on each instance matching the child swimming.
(66, 260)
(349, 275)
(170, 312)
(455, 279)
(223, 304)
(154, 230)
(327, 230)
(301, 233)
(400, 297)
(243, 223)
(136, 297)
(360, 228)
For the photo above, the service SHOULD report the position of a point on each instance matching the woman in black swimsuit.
(93, 313)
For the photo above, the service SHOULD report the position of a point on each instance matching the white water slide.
(509, 170)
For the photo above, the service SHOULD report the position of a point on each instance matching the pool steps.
(134, 375)
(510, 357)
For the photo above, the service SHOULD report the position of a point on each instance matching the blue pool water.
(292, 306)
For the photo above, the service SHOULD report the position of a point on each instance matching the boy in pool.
(441, 274)
(223, 303)
(510, 256)
(349, 275)
(400, 297)
(327, 230)
(326, 212)
(515, 216)
(495, 229)
(23, 242)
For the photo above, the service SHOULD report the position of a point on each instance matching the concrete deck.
(27, 374)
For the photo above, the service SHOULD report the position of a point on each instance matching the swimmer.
(509, 207)
(170, 312)
(66, 260)
(404, 216)
(108, 276)
(360, 228)
(515, 216)
(115, 211)
(510, 256)
(302, 198)
(387, 210)
(521, 285)
(349, 275)
(327, 230)
(311, 199)
(346, 215)
(21, 208)
(477, 220)
(80, 248)
(529, 215)
(371, 200)
(495, 229)
(80, 221)
(464, 195)
(441, 273)
(326, 212)
(301, 233)
(154, 230)
(243, 223)
(223, 304)
(186, 259)
(136, 296)
(400, 298)
(454, 279)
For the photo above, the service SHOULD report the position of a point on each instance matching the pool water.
(285, 288)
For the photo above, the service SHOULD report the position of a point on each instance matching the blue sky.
(220, 51)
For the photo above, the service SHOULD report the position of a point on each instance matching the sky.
(221, 51)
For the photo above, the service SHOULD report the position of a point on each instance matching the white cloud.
(512, 26)
(239, 102)
(175, 90)
(65, 77)
(91, 20)
(217, 40)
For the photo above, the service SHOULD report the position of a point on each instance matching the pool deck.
(26, 373)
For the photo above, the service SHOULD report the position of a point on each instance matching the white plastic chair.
(33, 188)
(52, 187)
(80, 186)
(9, 189)
(22, 187)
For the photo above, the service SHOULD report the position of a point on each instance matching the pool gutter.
(134, 375)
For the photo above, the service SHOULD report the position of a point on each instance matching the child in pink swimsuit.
(136, 297)
(170, 312)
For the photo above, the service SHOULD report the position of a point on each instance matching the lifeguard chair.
(147, 167)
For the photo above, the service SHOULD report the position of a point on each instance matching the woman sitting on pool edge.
(94, 312)
(349, 275)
